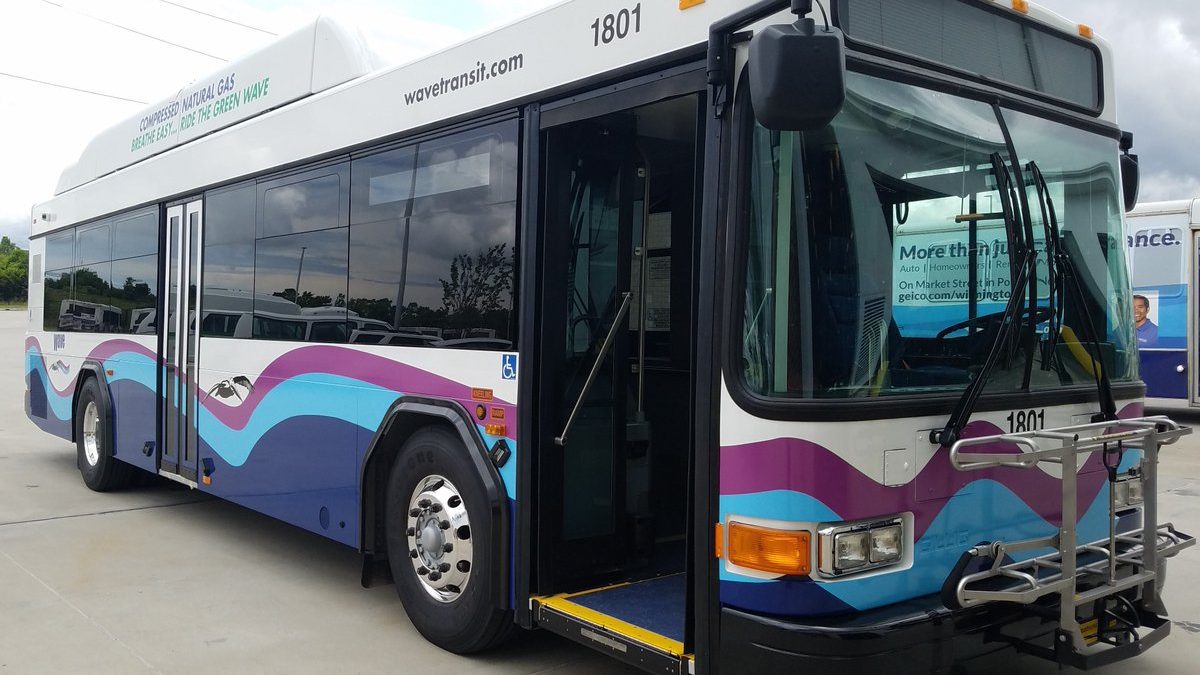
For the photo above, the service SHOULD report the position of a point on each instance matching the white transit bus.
(1163, 244)
(717, 335)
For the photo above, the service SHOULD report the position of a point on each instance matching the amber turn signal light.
(769, 550)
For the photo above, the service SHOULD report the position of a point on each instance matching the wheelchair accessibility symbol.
(508, 366)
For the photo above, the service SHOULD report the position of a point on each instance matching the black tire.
(106, 473)
(471, 622)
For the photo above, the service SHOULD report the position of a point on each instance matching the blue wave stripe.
(314, 395)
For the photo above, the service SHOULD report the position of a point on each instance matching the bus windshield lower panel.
(878, 260)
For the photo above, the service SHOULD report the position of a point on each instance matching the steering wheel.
(1040, 314)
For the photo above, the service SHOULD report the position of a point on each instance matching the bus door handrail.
(561, 439)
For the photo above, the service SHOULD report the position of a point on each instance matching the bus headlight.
(850, 551)
(846, 548)
(886, 546)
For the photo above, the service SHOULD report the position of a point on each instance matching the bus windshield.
(881, 251)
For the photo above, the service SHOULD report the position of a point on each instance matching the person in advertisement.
(1147, 331)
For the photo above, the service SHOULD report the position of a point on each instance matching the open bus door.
(616, 366)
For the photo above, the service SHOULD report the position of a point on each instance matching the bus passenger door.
(178, 446)
(615, 368)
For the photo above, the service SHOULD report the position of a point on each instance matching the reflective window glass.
(433, 241)
(228, 298)
(57, 294)
(298, 278)
(315, 200)
(134, 291)
(93, 243)
(60, 250)
(135, 235)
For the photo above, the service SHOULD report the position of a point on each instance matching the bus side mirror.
(1130, 175)
(797, 76)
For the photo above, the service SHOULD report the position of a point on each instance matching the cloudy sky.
(120, 51)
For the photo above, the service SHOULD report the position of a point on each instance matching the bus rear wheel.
(439, 534)
(93, 443)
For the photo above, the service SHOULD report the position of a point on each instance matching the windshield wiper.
(1021, 262)
(1062, 267)
(1055, 272)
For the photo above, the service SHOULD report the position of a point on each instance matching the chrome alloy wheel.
(439, 538)
(91, 442)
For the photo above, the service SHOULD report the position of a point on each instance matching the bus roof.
(320, 55)
(317, 96)
(1191, 207)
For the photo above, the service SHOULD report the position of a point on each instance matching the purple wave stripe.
(348, 363)
(339, 361)
(102, 352)
(805, 467)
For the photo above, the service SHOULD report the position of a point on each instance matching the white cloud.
(1157, 59)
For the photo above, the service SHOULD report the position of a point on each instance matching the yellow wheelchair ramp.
(641, 623)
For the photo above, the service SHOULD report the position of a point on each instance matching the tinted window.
(377, 266)
(135, 235)
(314, 200)
(228, 262)
(433, 240)
(91, 310)
(299, 275)
(93, 244)
(134, 291)
(57, 300)
(97, 295)
(459, 276)
(60, 250)
(382, 185)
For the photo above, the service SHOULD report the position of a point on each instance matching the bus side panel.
(284, 426)
(53, 363)
(132, 371)
(1157, 246)
(1160, 370)
(47, 406)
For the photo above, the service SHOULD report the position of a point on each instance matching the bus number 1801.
(612, 27)
(1026, 420)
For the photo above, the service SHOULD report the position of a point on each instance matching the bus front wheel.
(93, 442)
(439, 534)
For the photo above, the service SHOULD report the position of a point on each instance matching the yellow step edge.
(562, 603)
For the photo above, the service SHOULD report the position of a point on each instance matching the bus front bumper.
(920, 636)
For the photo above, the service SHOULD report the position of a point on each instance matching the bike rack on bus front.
(1060, 571)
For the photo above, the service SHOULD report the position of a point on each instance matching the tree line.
(14, 266)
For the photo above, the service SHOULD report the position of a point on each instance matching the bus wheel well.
(382, 454)
(85, 374)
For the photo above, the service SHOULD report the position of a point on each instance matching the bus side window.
(301, 255)
(433, 240)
